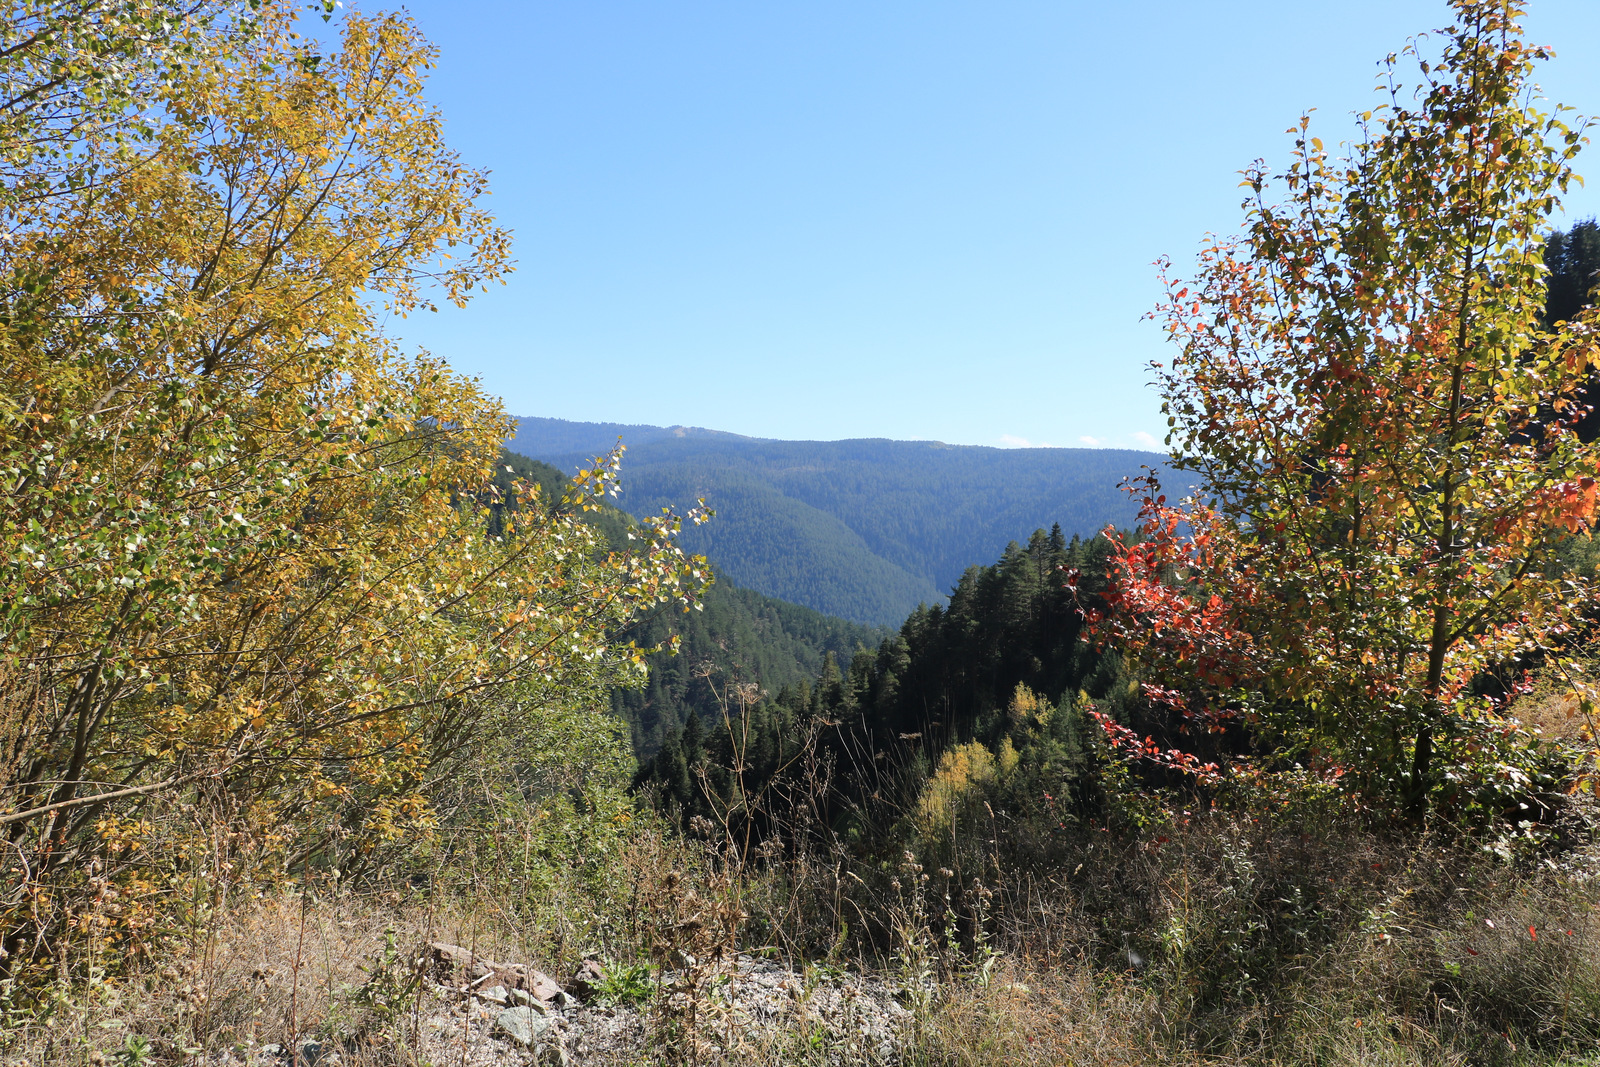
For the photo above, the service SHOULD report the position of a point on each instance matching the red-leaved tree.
(1381, 429)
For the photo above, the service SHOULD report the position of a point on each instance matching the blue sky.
(877, 218)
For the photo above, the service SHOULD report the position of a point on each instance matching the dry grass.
(1264, 944)
(277, 970)
(1072, 1016)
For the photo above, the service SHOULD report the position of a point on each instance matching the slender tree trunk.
(1440, 639)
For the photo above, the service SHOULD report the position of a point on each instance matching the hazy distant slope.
(558, 437)
(779, 544)
(862, 529)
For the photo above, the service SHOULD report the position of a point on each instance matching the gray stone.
(494, 995)
(527, 999)
(523, 1024)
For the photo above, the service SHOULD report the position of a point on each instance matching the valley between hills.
(347, 720)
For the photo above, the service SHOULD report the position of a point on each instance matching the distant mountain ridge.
(592, 438)
(862, 529)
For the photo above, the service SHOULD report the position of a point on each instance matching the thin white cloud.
(1008, 440)
(1092, 442)
(1145, 440)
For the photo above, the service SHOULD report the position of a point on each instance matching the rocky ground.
(479, 1013)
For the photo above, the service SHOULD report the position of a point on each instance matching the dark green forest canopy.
(738, 637)
(949, 675)
(1573, 259)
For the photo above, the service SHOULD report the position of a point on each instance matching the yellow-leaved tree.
(249, 588)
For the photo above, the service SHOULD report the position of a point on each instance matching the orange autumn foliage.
(1382, 433)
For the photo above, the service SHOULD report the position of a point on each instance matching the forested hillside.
(1004, 663)
(739, 637)
(736, 637)
(862, 529)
